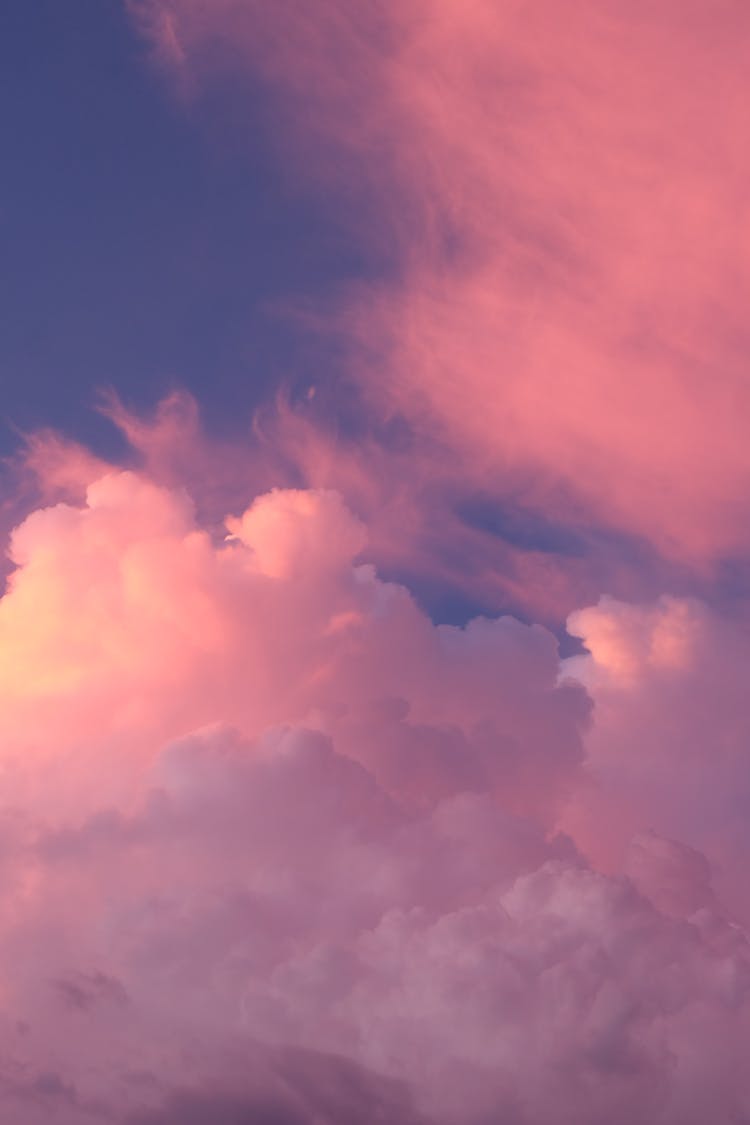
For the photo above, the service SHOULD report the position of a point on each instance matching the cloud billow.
(266, 822)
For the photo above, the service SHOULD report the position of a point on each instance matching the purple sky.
(143, 247)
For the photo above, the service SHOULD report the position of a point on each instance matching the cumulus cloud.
(670, 730)
(163, 628)
(276, 847)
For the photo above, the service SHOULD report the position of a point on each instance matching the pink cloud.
(566, 196)
(273, 844)
(274, 895)
(262, 815)
(667, 749)
(413, 506)
(163, 627)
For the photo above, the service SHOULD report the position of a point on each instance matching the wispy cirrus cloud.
(563, 195)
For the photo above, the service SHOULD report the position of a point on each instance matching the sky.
(374, 493)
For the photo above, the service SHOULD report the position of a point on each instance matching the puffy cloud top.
(274, 843)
